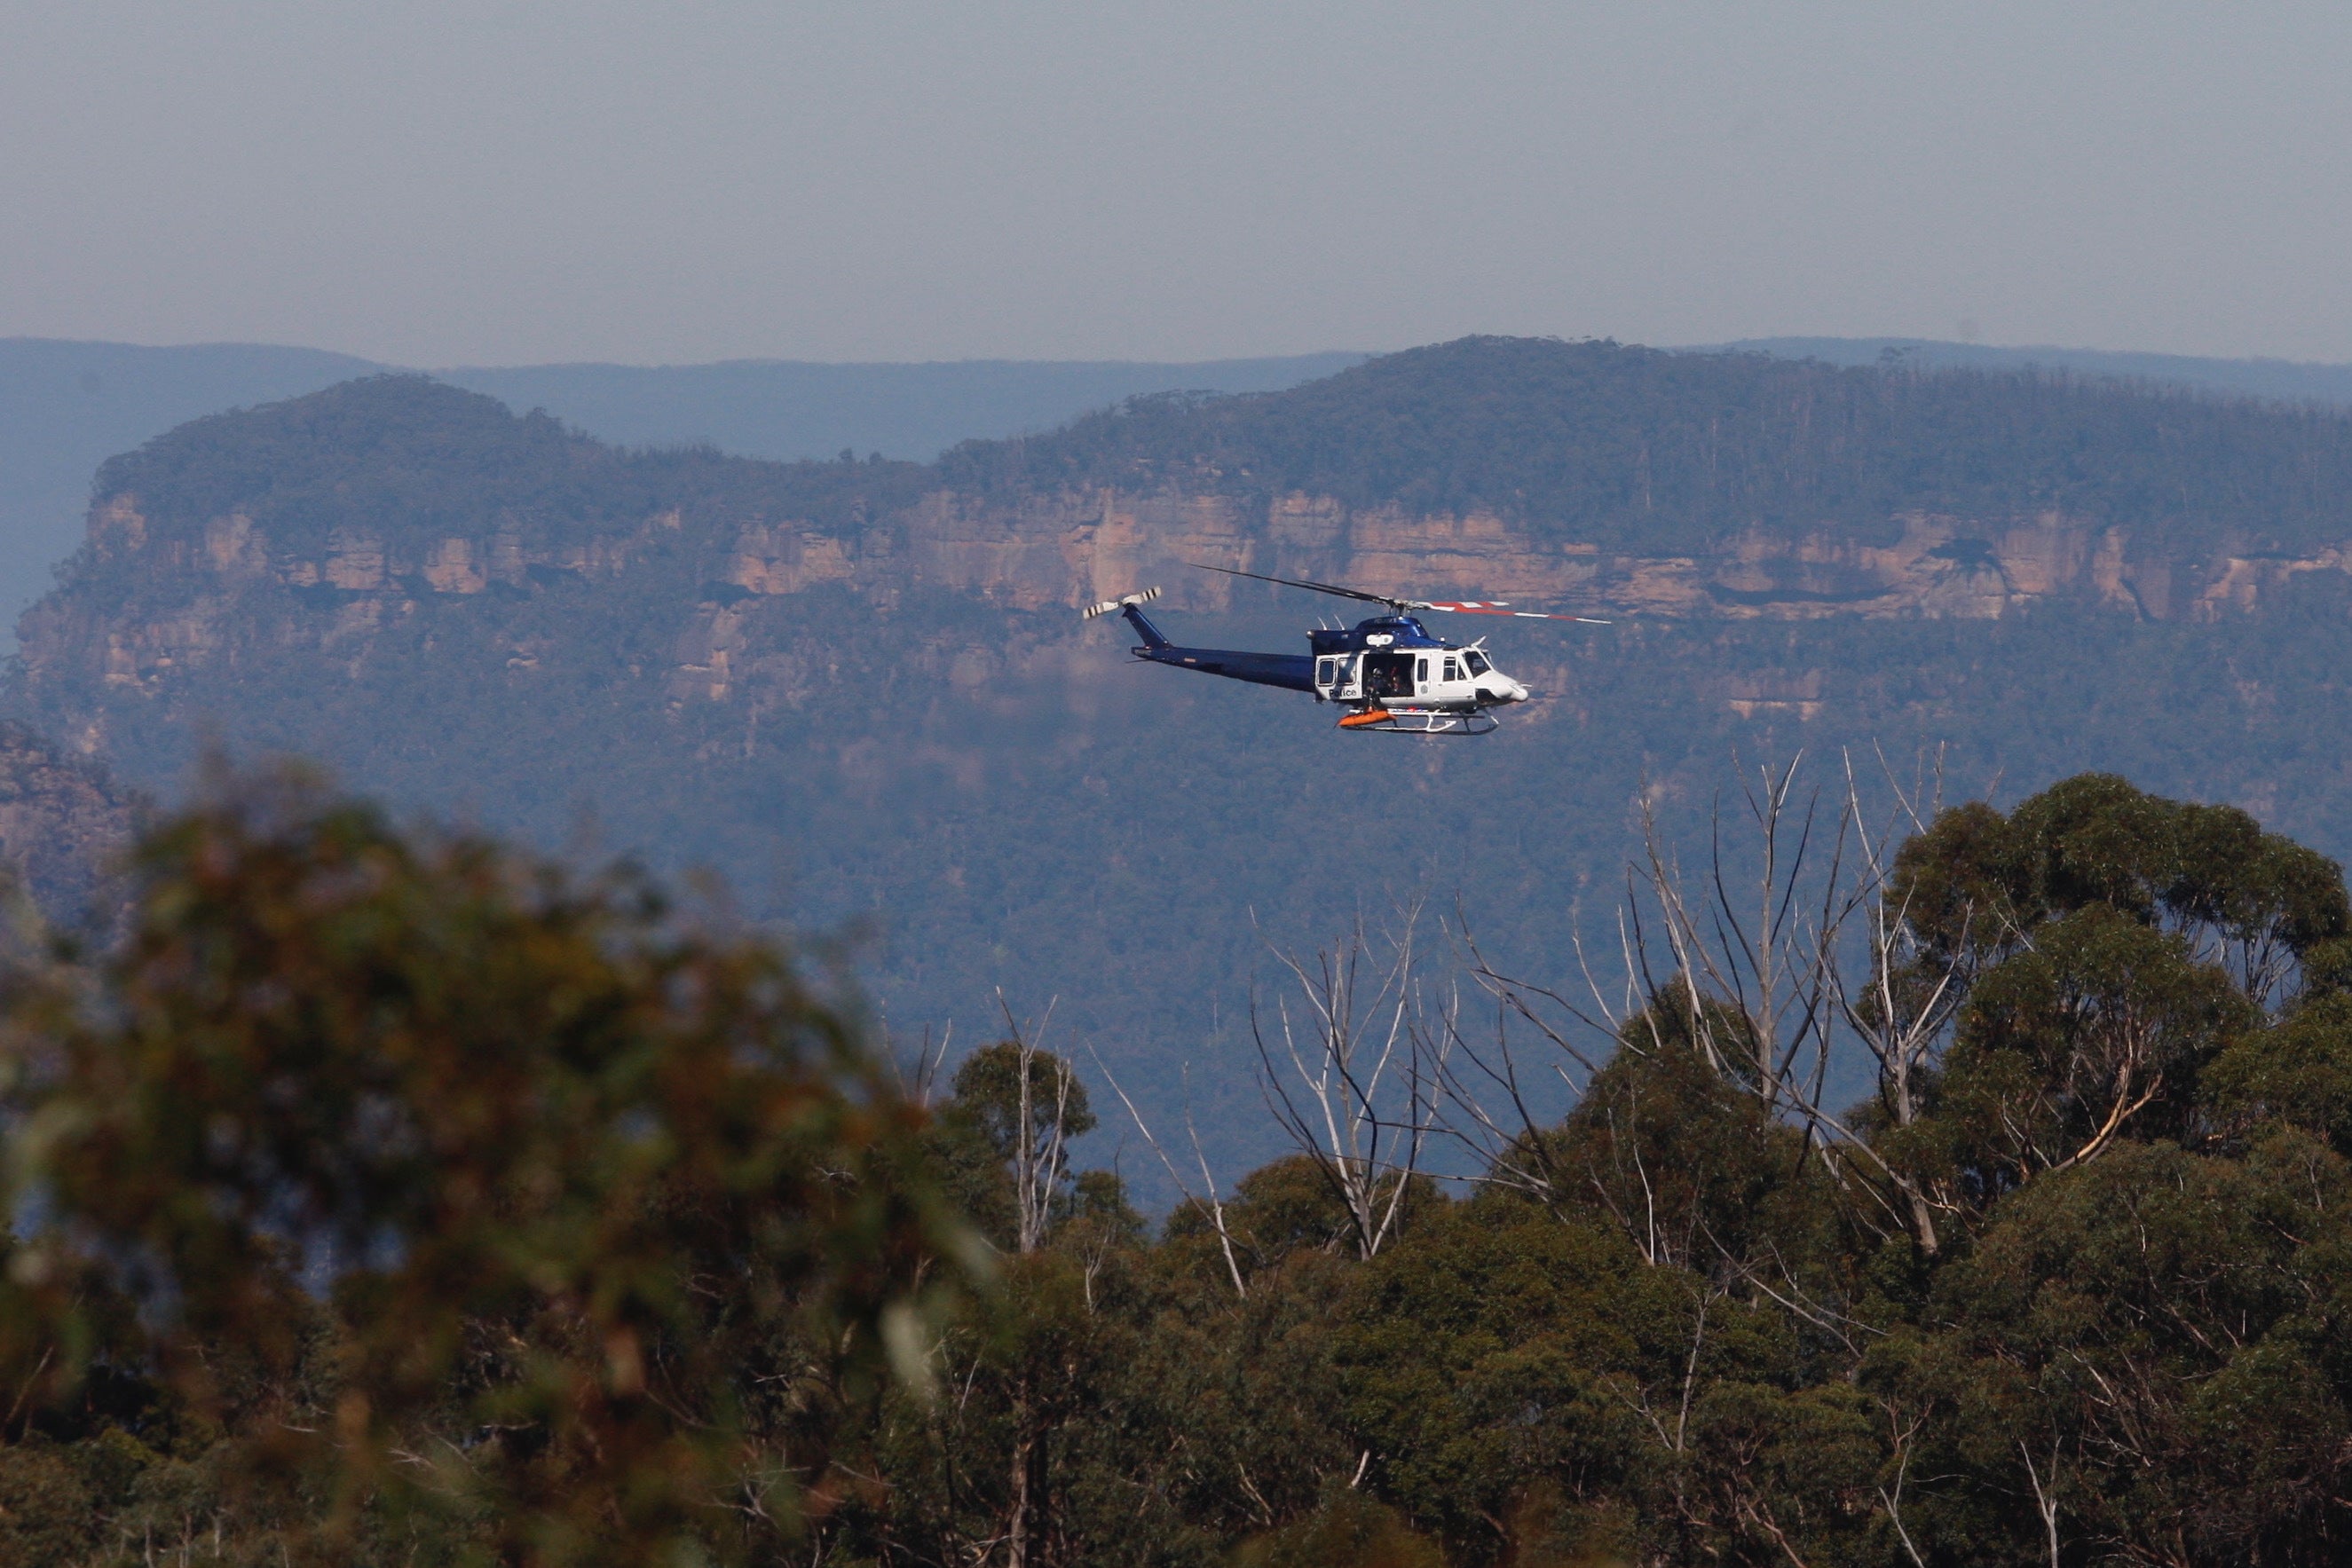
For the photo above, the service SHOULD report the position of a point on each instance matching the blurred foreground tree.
(470, 1195)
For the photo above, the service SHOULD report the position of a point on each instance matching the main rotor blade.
(1317, 587)
(1498, 607)
(1455, 607)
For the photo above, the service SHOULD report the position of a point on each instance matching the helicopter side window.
(1453, 671)
(1478, 661)
(1420, 672)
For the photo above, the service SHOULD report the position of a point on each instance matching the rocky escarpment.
(1047, 553)
(163, 595)
(397, 525)
(159, 598)
(1072, 548)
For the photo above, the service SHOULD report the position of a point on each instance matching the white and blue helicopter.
(1389, 672)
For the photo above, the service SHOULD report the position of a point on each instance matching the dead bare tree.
(1903, 1429)
(1039, 1153)
(1212, 1205)
(1902, 1005)
(1336, 1069)
(1745, 962)
(1760, 962)
(1754, 966)
(1896, 1002)
(2045, 1495)
(1492, 1099)
(1039, 1148)
(919, 1077)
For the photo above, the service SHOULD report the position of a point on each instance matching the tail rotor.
(1112, 606)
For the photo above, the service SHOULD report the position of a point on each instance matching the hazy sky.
(489, 181)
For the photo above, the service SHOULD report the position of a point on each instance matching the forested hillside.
(1665, 454)
(859, 689)
(388, 1197)
(65, 406)
(2285, 380)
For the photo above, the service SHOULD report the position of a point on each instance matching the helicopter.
(1391, 676)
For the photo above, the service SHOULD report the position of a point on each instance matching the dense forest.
(1664, 451)
(390, 1197)
(974, 792)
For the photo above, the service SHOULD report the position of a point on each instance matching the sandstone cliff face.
(166, 596)
(161, 599)
(1070, 550)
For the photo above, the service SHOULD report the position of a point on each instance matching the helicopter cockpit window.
(1478, 661)
(1453, 671)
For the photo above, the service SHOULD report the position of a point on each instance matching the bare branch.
(1328, 1094)
(1039, 1162)
(1215, 1205)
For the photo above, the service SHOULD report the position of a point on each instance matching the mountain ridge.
(2279, 379)
(1046, 522)
(66, 405)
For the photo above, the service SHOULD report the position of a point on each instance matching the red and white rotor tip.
(1502, 606)
(1110, 605)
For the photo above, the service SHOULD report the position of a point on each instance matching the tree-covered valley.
(777, 1042)
(859, 689)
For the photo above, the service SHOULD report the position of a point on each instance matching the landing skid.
(1420, 721)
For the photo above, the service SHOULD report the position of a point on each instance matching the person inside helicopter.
(1388, 675)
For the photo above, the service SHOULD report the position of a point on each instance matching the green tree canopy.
(611, 1218)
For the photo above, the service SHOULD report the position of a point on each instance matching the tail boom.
(1291, 672)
